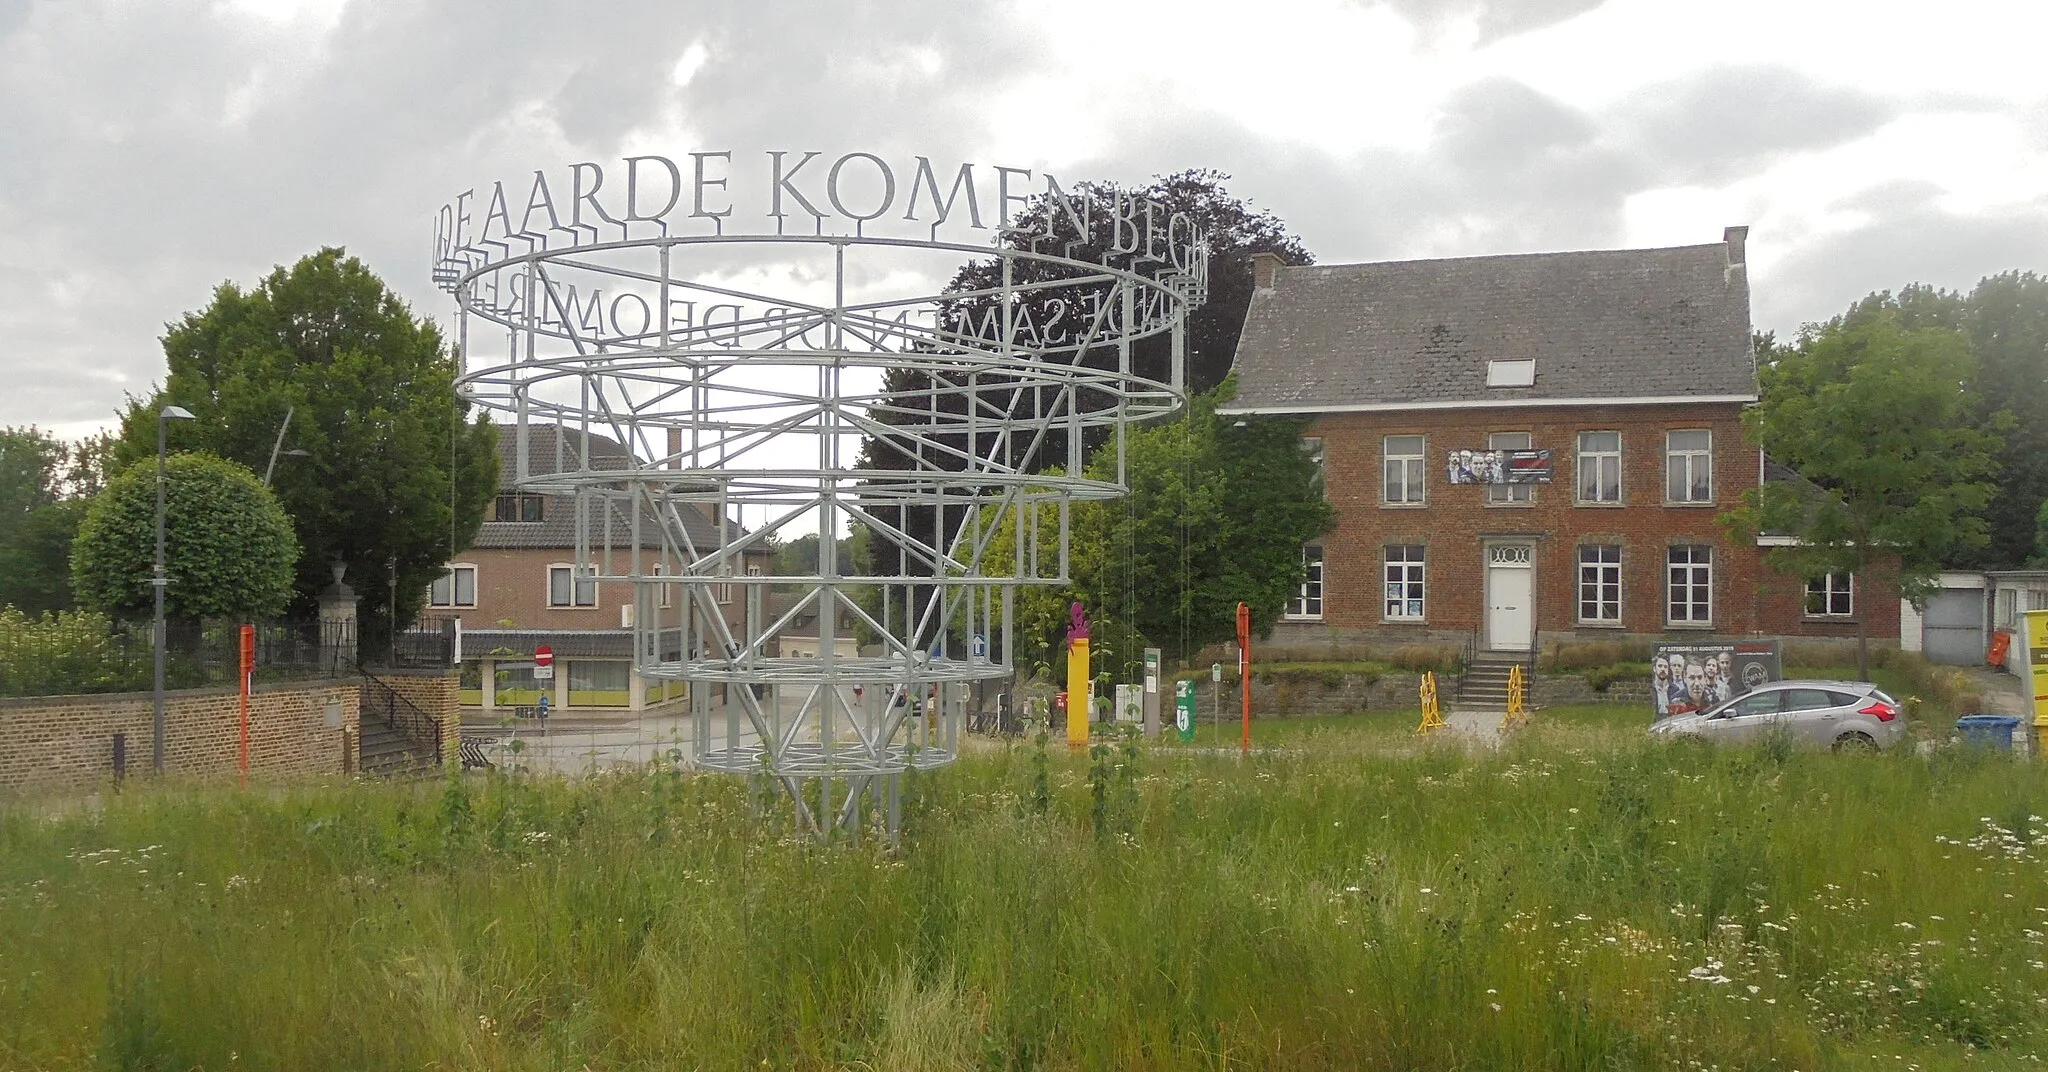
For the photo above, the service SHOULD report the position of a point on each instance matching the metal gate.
(1952, 630)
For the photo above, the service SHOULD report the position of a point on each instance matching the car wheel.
(1855, 742)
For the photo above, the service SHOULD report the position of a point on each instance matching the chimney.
(1737, 240)
(675, 447)
(1265, 266)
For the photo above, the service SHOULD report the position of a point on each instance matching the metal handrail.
(418, 727)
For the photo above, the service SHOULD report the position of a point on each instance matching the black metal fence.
(427, 645)
(82, 655)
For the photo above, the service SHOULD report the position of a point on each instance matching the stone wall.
(67, 742)
(1552, 690)
(1290, 694)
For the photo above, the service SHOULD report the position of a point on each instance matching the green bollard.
(1184, 709)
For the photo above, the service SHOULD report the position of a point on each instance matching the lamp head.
(175, 413)
(297, 453)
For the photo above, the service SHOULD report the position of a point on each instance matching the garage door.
(1953, 630)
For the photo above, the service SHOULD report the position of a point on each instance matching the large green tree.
(2005, 318)
(228, 547)
(31, 473)
(35, 558)
(1877, 417)
(1217, 514)
(44, 486)
(1234, 230)
(397, 476)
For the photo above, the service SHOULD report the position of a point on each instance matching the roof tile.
(1610, 324)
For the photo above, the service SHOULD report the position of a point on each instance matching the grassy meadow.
(1580, 898)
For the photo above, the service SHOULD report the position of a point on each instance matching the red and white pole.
(1244, 670)
(248, 672)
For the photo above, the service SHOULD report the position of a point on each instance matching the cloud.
(1493, 19)
(149, 151)
(120, 154)
(1504, 169)
(1909, 238)
(1726, 121)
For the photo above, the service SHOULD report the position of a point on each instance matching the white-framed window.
(1404, 591)
(1689, 466)
(1313, 447)
(1510, 493)
(1402, 466)
(1308, 603)
(569, 586)
(1831, 595)
(1690, 588)
(1600, 583)
(455, 588)
(600, 675)
(1599, 468)
(667, 597)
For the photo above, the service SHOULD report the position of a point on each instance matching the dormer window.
(513, 506)
(1511, 373)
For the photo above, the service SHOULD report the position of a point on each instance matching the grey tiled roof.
(552, 449)
(1615, 324)
(589, 643)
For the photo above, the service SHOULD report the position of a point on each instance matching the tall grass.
(1552, 905)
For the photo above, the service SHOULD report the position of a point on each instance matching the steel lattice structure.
(760, 416)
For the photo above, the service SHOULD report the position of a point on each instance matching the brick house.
(1630, 367)
(517, 588)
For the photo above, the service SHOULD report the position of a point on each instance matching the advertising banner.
(1499, 466)
(1685, 678)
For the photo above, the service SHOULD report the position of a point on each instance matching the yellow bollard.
(1518, 701)
(1432, 714)
(1077, 692)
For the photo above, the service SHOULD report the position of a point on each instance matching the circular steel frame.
(761, 415)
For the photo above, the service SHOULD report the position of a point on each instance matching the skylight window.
(1511, 373)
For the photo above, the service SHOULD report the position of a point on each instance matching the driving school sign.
(1685, 678)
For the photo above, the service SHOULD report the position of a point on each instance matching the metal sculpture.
(765, 385)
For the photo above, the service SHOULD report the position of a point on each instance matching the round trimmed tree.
(228, 547)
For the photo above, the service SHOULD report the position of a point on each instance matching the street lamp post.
(275, 447)
(272, 467)
(158, 581)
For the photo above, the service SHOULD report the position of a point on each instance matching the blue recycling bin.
(1988, 731)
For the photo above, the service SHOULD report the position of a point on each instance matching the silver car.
(1829, 714)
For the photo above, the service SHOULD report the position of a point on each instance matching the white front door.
(1510, 596)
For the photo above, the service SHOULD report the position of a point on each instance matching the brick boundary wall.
(67, 742)
(438, 693)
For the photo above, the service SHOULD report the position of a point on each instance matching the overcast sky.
(150, 149)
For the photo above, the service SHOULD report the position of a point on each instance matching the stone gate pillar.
(338, 623)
